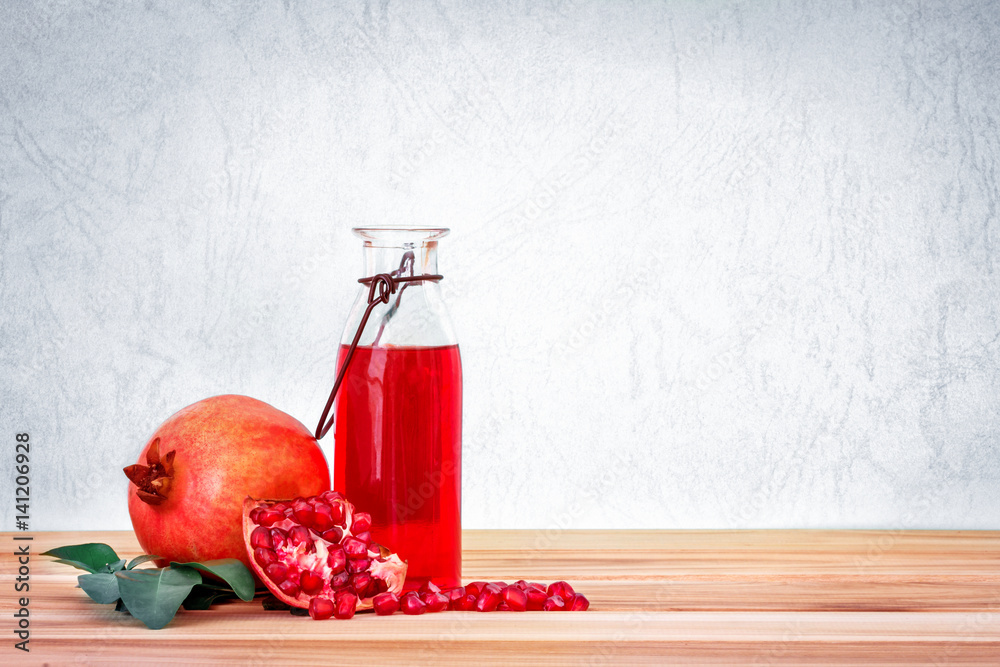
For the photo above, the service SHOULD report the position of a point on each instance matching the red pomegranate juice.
(399, 452)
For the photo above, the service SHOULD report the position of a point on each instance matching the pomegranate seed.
(337, 560)
(521, 583)
(311, 583)
(355, 548)
(435, 602)
(339, 580)
(331, 496)
(468, 603)
(264, 557)
(358, 565)
(429, 587)
(304, 514)
(412, 605)
(536, 599)
(320, 609)
(580, 603)
(277, 572)
(454, 595)
(362, 522)
(323, 520)
(378, 586)
(386, 604)
(365, 537)
(488, 600)
(503, 607)
(299, 536)
(289, 588)
(333, 535)
(269, 517)
(515, 598)
(255, 514)
(554, 603)
(337, 512)
(499, 584)
(360, 582)
(261, 537)
(537, 586)
(493, 588)
(347, 603)
(475, 588)
(560, 588)
(279, 537)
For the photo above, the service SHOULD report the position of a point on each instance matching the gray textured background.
(720, 265)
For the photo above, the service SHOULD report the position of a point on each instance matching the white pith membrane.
(384, 565)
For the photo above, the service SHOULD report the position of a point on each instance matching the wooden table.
(657, 597)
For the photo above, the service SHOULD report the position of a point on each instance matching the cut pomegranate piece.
(302, 563)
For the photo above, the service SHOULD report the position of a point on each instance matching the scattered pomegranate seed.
(412, 605)
(580, 603)
(499, 584)
(346, 603)
(435, 602)
(515, 598)
(454, 595)
(536, 599)
(385, 604)
(320, 608)
(560, 588)
(430, 587)
(554, 603)
(468, 603)
(489, 599)
(475, 588)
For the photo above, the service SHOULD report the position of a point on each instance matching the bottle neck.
(396, 261)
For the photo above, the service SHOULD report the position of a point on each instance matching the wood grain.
(658, 597)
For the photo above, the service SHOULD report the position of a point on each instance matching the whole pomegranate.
(186, 493)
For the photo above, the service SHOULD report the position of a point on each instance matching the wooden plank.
(658, 597)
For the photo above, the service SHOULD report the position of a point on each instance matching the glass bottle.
(398, 414)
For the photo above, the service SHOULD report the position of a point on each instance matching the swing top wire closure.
(381, 287)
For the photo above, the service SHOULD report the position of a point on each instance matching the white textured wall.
(712, 264)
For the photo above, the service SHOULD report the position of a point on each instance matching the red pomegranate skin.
(227, 448)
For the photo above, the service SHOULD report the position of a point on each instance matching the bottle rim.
(397, 236)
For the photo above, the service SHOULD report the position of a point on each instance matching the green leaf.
(101, 586)
(154, 595)
(111, 568)
(90, 557)
(230, 570)
(203, 597)
(140, 560)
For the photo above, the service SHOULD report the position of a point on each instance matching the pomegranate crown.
(153, 479)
